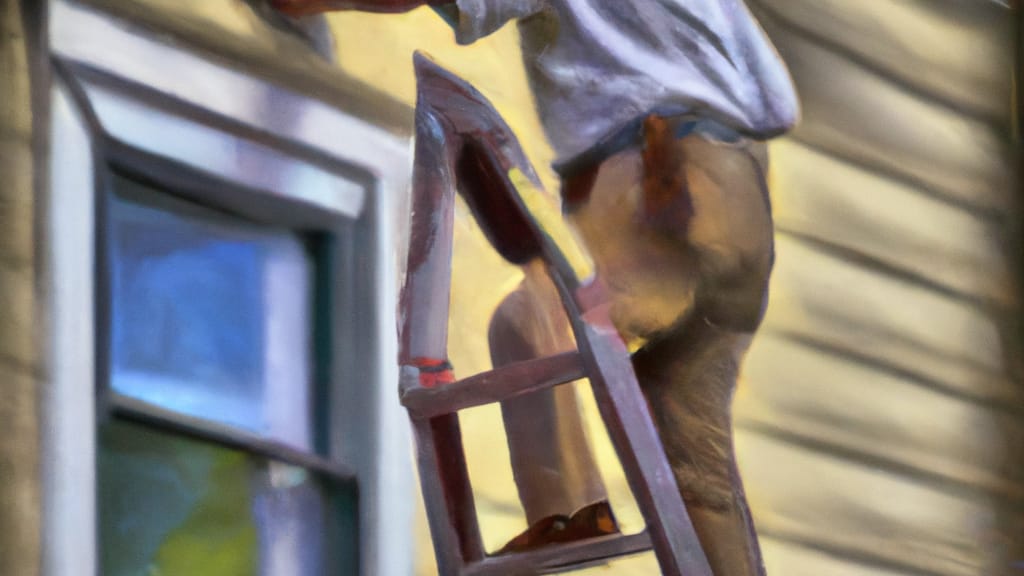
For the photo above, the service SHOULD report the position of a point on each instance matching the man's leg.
(688, 280)
(689, 379)
(554, 469)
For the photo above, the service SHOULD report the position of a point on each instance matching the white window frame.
(115, 89)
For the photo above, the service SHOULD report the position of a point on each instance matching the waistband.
(630, 137)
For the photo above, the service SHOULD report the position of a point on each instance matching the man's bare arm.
(308, 7)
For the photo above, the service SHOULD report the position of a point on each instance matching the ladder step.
(562, 557)
(493, 386)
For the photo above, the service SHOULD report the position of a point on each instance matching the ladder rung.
(559, 557)
(493, 386)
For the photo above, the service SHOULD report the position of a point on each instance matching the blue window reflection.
(210, 315)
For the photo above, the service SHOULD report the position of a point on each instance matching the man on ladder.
(652, 107)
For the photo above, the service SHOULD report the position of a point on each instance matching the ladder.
(447, 153)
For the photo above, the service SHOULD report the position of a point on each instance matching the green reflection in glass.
(171, 506)
(174, 506)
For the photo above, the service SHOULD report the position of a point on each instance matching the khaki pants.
(683, 242)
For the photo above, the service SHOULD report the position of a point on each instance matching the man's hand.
(296, 8)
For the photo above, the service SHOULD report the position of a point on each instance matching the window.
(221, 307)
(170, 504)
(210, 316)
(209, 462)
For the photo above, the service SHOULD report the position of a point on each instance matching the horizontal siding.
(834, 503)
(820, 196)
(862, 115)
(17, 268)
(834, 404)
(879, 426)
(932, 47)
(803, 559)
(20, 383)
(819, 297)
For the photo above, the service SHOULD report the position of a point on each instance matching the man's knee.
(507, 338)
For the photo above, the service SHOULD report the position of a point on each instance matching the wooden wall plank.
(887, 320)
(951, 50)
(787, 559)
(849, 407)
(840, 504)
(820, 196)
(878, 423)
(22, 370)
(861, 115)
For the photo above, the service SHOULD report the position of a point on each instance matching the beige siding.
(858, 113)
(822, 197)
(834, 403)
(803, 561)
(948, 50)
(19, 368)
(866, 510)
(880, 425)
(859, 309)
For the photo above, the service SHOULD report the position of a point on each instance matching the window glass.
(173, 506)
(210, 315)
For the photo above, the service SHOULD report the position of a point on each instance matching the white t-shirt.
(598, 66)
